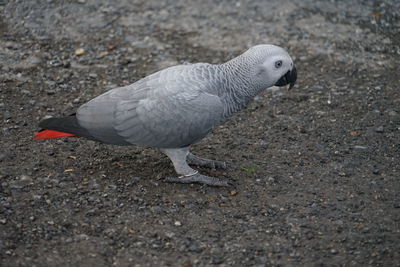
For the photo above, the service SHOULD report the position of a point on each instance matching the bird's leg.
(188, 175)
(214, 164)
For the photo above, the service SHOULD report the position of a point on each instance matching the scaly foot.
(213, 164)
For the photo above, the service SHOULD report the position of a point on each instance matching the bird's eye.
(278, 64)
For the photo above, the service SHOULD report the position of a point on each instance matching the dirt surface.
(317, 168)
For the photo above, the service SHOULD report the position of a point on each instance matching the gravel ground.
(317, 168)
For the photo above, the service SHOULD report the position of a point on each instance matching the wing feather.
(170, 108)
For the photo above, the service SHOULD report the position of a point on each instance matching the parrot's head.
(271, 66)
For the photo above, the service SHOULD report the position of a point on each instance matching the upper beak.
(289, 78)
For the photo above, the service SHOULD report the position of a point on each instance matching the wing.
(170, 108)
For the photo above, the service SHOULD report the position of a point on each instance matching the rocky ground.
(317, 168)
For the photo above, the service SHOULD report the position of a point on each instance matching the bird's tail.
(61, 127)
(51, 134)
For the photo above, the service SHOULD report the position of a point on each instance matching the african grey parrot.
(177, 107)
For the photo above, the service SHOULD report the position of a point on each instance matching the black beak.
(289, 78)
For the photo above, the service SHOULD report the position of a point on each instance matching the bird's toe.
(201, 179)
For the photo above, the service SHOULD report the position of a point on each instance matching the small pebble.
(47, 117)
(26, 92)
(81, 237)
(103, 54)
(379, 129)
(360, 147)
(11, 45)
(233, 192)
(35, 60)
(25, 177)
(80, 51)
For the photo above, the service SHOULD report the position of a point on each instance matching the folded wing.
(170, 108)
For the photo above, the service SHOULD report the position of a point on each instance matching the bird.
(176, 107)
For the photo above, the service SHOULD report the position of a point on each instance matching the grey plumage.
(180, 105)
(170, 108)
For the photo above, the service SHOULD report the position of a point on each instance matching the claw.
(199, 178)
(188, 175)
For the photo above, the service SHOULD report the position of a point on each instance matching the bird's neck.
(237, 88)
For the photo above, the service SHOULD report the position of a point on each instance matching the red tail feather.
(50, 134)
